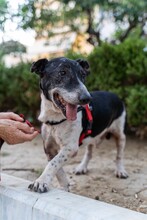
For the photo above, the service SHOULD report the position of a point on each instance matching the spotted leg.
(82, 167)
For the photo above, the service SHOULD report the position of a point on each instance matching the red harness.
(88, 129)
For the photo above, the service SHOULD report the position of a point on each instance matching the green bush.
(137, 105)
(19, 90)
(122, 69)
(107, 69)
(72, 55)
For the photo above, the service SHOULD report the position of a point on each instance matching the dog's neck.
(49, 112)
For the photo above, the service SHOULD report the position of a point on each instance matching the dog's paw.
(39, 186)
(80, 170)
(65, 188)
(122, 174)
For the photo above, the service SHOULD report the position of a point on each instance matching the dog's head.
(62, 82)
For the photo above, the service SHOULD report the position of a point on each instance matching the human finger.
(25, 127)
(14, 116)
(29, 137)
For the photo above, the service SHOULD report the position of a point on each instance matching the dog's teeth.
(62, 100)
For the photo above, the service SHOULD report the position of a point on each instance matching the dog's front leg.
(63, 181)
(82, 167)
(42, 184)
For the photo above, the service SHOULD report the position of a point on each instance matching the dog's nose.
(84, 99)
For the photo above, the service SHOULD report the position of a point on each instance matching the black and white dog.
(62, 92)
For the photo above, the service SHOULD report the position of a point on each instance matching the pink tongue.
(71, 112)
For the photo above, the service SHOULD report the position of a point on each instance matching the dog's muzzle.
(70, 110)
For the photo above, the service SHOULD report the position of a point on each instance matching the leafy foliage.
(51, 17)
(3, 13)
(72, 55)
(12, 47)
(122, 69)
(137, 105)
(131, 13)
(19, 90)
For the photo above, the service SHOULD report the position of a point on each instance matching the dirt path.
(100, 182)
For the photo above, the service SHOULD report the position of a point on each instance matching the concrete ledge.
(16, 202)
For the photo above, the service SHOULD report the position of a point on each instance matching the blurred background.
(110, 34)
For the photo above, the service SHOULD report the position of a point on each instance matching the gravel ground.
(28, 160)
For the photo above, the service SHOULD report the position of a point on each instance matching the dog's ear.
(85, 65)
(39, 66)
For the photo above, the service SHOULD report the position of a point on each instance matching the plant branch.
(93, 34)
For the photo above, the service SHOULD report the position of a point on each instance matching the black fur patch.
(106, 107)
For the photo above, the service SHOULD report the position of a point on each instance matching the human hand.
(11, 115)
(15, 132)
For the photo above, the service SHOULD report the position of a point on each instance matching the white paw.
(39, 186)
(65, 188)
(80, 170)
(122, 174)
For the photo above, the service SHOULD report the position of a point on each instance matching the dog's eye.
(62, 73)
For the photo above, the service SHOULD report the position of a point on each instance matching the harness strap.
(88, 129)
